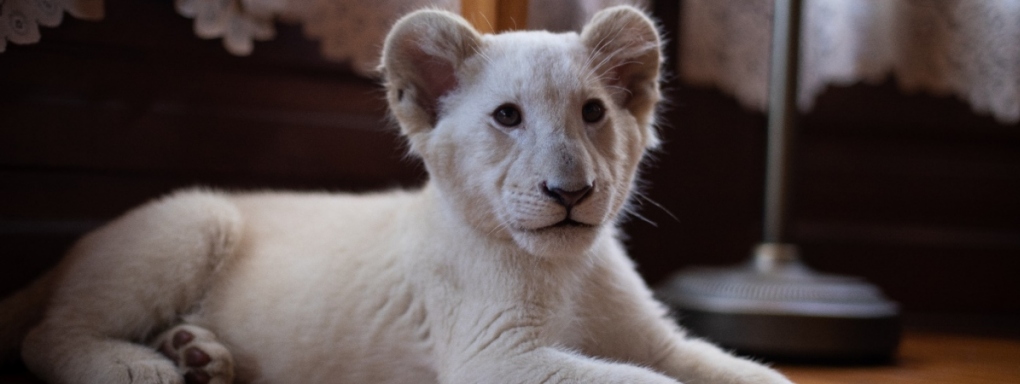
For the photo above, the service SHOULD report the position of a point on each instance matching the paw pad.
(182, 337)
(199, 357)
(194, 357)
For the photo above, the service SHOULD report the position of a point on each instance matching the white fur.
(464, 281)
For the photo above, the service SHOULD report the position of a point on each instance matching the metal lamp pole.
(774, 306)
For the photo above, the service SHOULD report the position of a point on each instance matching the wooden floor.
(930, 358)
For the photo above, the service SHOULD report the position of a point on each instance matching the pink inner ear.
(615, 77)
(439, 79)
(435, 77)
(625, 75)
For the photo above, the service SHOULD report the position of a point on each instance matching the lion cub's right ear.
(421, 57)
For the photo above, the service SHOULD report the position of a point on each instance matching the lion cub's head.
(530, 136)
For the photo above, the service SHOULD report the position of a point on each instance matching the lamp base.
(777, 308)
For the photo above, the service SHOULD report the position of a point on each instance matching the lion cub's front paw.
(198, 355)
(760, 375)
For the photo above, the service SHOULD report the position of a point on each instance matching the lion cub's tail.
(21, 311)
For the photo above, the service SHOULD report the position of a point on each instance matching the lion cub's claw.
(197, 354)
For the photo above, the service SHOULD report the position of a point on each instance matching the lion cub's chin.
(558, 241)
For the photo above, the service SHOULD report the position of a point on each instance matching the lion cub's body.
(504, 268)
(326, 286)
(365, 289)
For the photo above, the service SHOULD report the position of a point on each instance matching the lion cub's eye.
(592, 111)
(507, 115)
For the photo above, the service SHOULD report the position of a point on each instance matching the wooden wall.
(914, 192)
(102, 116)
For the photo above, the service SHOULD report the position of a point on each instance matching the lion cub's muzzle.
(567, 196)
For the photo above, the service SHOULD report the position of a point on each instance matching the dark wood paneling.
(102, 116)
(708, 180)
(914, 192)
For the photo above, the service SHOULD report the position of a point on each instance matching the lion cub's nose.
(567, 198)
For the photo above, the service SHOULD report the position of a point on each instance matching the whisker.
(644, 197)
(505, 224)
(634, 213)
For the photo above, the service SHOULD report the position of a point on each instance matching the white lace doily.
(968, 48)
(20, 19)
(349, 30)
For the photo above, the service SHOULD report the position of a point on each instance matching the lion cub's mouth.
(567, 223)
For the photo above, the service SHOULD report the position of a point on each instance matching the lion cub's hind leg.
(199, 356)
(128, 280)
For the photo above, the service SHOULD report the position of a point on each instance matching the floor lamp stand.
(774, 306)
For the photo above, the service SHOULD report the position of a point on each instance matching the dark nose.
(567, 198)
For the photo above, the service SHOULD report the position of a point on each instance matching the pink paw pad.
(199, 357)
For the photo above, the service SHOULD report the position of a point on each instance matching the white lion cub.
(504, 268)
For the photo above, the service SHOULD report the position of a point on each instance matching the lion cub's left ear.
(626, 53)
(421, 57)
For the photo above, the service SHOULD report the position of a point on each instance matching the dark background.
(914, 192)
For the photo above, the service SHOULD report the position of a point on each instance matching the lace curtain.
(967, 48)
(349, 30)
